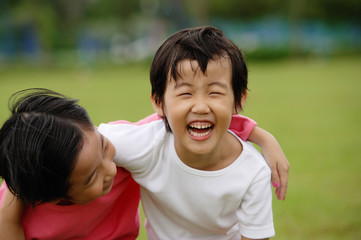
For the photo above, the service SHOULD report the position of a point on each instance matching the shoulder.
(135, 145)
(128, 131)
(252, 160)
(256, 161)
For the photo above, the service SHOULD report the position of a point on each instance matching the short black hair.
(201, 44)
(39, 144)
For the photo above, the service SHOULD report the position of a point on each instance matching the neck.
(219, 158)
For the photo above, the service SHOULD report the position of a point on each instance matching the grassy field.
(312, 106)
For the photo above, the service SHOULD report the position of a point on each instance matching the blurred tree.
(246, 9)
(334, 10)
(57, 24)
(330, 10)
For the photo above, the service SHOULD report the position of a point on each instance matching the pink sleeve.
(242, 126)
(2, 192)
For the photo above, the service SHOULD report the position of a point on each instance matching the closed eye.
(105, 148)
(91, 179)
(185, 94)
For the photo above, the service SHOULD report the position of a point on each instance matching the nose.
(200, 106)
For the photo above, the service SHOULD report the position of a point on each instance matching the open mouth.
(200, 129)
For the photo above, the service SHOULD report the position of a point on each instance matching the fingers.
(274, 179)
(279, 179)
(283, 187)
(277, 186)
(281, 191)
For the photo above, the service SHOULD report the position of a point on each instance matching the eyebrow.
(180, 83)
(92, 174)
(221, 84)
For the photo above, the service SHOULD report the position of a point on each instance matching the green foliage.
(246, 9)
(330, 10)
(58, 23)
(312, 106)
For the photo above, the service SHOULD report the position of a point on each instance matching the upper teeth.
(200, 126)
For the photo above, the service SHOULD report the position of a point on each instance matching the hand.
(10, 231)
(279, 165)
(10, 218)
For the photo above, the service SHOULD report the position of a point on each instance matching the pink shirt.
(113, 216)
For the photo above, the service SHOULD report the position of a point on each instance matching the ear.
(244, 98)
(243, 102)
(157, 106)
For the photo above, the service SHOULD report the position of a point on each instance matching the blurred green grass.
(312, 106)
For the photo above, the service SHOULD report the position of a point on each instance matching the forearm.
(275, 158)
(262, 138)
(271, 149)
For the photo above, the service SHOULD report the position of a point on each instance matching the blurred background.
(304, 60)
(94, 31)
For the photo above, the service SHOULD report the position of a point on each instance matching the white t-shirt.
(181, 202)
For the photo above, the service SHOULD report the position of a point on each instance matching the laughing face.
(94, 170)
(199, 110)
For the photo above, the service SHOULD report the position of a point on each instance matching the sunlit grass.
(313, 107)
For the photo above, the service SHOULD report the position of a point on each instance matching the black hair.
(39, 144)
(201, 44)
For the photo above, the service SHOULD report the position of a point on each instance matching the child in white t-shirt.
(198, 179)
